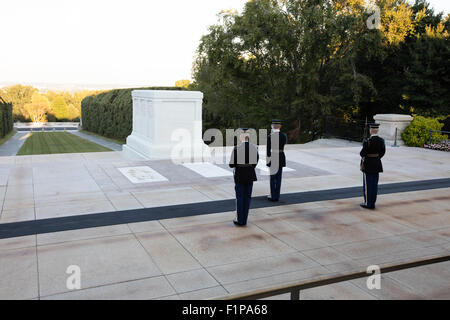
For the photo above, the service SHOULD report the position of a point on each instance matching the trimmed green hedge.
(110, 113)
(417, 134)
(6, 118)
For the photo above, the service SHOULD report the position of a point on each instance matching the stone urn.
(392, 126)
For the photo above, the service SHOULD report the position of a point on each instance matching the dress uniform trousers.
(243, 199)
(370, 188)
(275, 184)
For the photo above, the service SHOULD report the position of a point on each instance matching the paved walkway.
(13, 145)
(205, 256)
(103, 142)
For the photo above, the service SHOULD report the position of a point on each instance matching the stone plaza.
(206, 256)
(138, 223)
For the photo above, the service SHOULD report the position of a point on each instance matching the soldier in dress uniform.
(244, 159)
(276, 159)
(372, 152)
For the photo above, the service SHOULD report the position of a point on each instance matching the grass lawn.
(119, 141)
(6, 138)
(57, 142)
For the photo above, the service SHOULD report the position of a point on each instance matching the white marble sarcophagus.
(167, 124)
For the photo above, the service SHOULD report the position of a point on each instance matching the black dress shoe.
(238, 224)
(363, 205)
(270, 199)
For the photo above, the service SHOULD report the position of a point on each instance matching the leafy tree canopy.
(299, 60)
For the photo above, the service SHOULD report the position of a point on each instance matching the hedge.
(110, 113)
(6, 118)
(417, 134)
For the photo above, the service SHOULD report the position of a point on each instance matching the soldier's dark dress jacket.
(244, 159)
(275, 148)
(373, 150)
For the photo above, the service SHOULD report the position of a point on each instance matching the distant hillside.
(68, 87)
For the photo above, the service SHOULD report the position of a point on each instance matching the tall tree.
(410, 75)
(19, 96)
(427, 78)
(288, 59)
(60, 109)
(182, 83)
(73, 113)
(38, 108)
(302, 59)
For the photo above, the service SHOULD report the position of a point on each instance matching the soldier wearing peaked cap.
(244, 159)
(276, 159)
(373, 150)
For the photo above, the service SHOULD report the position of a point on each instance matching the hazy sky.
(127, 42)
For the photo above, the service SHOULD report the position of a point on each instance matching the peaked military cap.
(374, 125)
(276, 121)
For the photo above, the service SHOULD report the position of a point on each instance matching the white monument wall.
(167, 124)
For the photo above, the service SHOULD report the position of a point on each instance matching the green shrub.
(417, 134)
(110, 113)
(6, 118)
